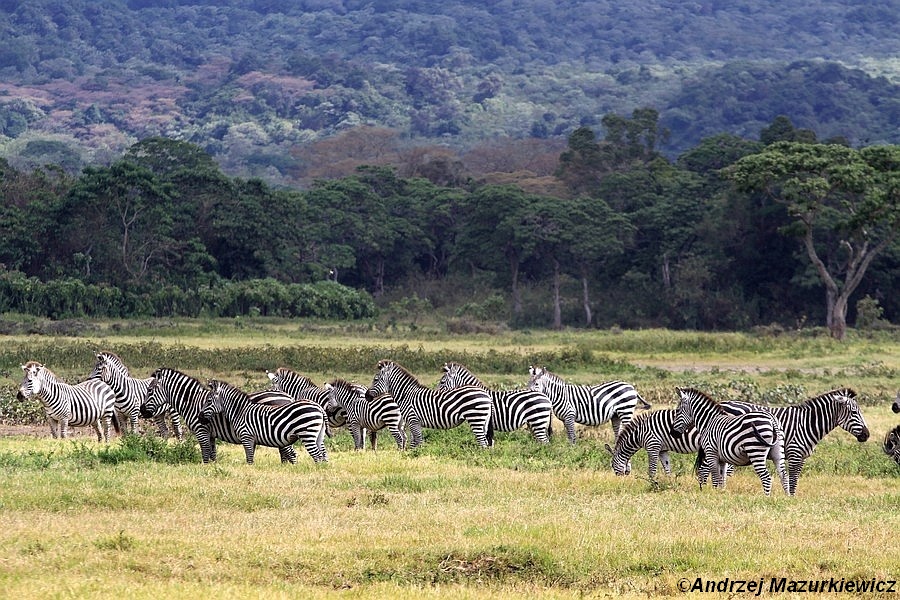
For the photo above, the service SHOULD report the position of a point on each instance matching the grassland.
(447, 520)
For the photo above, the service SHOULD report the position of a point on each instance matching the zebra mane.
(294, 375)
(214, 383)
(460, 367)
(115, 359)
(166, 370)
(398, 367)
(34, 363)
(848, 392)
(701, 395)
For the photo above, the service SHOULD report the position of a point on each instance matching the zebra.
(510, 410)
(749, 438)
(891, 445)
(363, 413)
(90, 402)
(130, 393)
(266, 425)
(653, 431)
(435, 409)
(896, 405)
(301, 387)
(613, 401)
(807, 423)
(186, 396)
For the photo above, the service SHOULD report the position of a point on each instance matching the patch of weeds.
(119, 542)
(378, 499)
(34, 548)
(132, 447)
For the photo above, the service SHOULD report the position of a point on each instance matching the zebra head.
(275, 379)
(892, 444)
(156, 401)
(621, 465)
(537, 379)
(684, 411)
(849, 415)
(896, 405)
(381, 382)
(450, 378)
(214, 403)
(32, 381)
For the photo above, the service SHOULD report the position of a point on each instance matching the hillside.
(256, 82)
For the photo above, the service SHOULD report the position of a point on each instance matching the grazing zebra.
(653, 431)
(130, 393)
(749, 438)
(363, 413)
(807, 423)
(301, 387)
(510, 410)
(186, 396)
(266, 425)
(613, 401)
(90, 402)
(891, 445)
(435, 409)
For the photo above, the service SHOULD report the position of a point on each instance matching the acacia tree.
(845, 204)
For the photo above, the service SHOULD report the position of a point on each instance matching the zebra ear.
(608, 449)
(270, 375)
(446, 367)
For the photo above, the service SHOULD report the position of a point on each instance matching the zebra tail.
(490, 432)
(644, 404)
(698, 462)
(115, 423)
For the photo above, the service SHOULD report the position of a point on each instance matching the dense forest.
(737, 233)
(259, 84)
(709, 165)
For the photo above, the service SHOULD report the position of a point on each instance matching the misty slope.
(250, 81)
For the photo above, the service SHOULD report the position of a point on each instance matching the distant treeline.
(620, 236)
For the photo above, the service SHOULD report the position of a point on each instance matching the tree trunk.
(516, 294)
(585, 298)
(557, 310)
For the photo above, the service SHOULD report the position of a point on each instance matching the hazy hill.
(252, 82)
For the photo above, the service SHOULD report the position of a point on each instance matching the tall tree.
(845, 204)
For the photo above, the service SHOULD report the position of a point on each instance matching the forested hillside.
(258, 84)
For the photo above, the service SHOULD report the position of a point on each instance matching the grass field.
(447, 520)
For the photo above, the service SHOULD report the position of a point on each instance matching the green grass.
(82, 519)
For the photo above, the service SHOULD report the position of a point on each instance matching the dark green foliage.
(133, 447)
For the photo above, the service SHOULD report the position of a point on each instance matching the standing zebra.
(301, 387)
(265, 425)
(435, 409)
(186, 396)
(807, 423)
(363, 413)
(653, 431)
(130, 393)
(891, 445)
(510, 410)
(749, 438)
(613, 401)
(90, 402)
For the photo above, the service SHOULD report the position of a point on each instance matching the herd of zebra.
(294, 409)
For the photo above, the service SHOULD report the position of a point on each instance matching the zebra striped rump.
(891, 444)
(367, 414)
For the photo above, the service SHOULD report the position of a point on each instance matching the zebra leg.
(666, 463)
(653, 455)
(715, 469)
(315, 445)
(570, 428)
(762, 471)
(356, 430)
(161, 427)
(483, 432)
(616, 423)
(54, 426)
(398, 436)
(288, 455)
(373, 438)
(176, 425)
(64, 428)
(249, 445)
(107, 423)
(415, 430)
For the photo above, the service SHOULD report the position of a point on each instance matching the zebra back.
(426, 407)
(302, 387)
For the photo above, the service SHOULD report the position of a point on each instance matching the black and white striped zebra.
(363, 413)
(750, 438)
(653, 432)
(424, 407)
(805, 424)
(891, 444)
(613, 401)
(510, 409)
(258, 424)
(186, 396)
(89, 403)
(130, 393)
(301, 387)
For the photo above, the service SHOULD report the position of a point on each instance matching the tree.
(845, 205)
